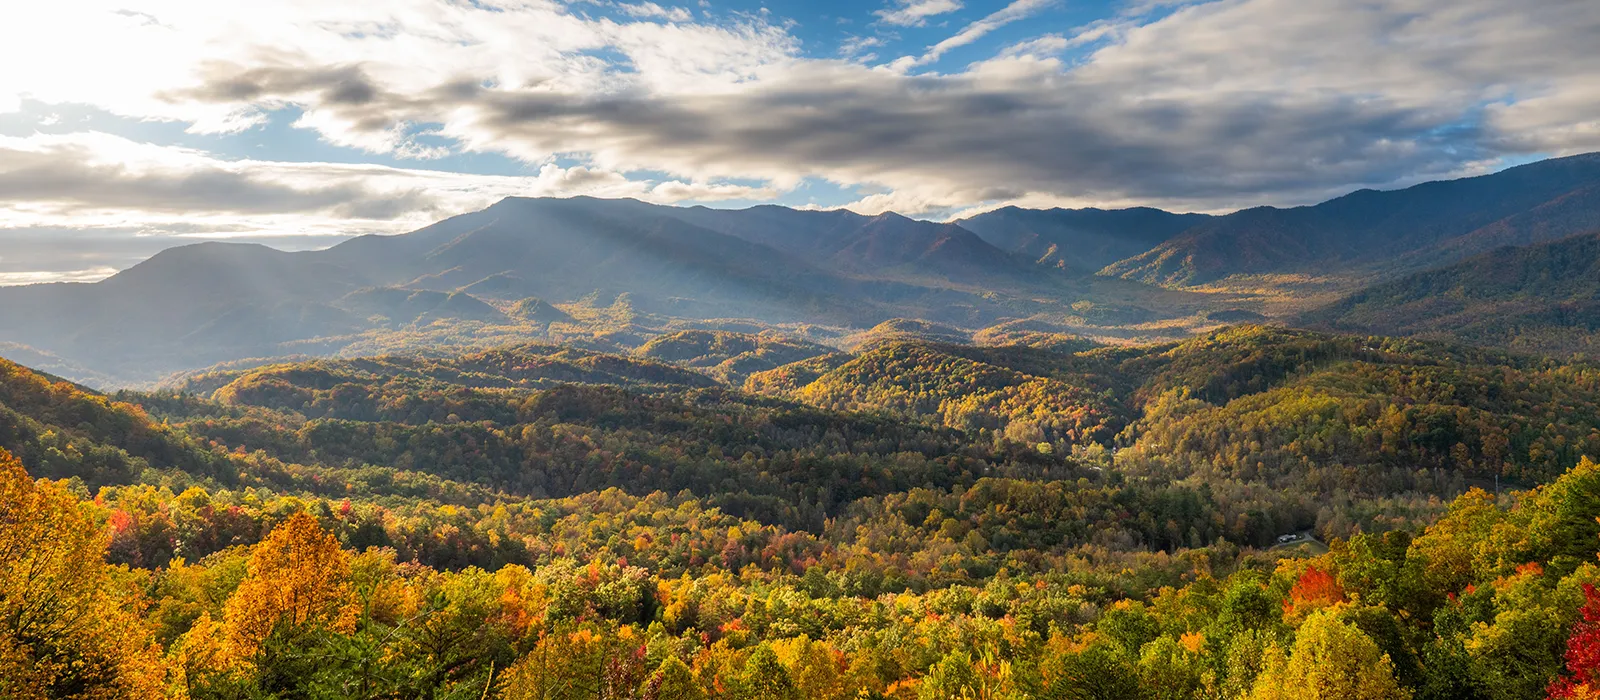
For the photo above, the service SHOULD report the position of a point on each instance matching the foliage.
(70, 626)
(393, 528)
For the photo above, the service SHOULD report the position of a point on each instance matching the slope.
(1326, 412)
(64, 431)
(1079, 240)
(1543, 298)
(1378, 233)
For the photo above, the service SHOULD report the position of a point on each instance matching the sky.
(127, 126)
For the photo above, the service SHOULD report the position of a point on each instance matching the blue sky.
(822, 30)
(130, 125)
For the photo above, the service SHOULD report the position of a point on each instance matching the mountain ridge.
(1366, 231)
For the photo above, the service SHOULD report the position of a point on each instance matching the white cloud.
(1044, 46)
(915, 13)
(91, 274)
(96, 180)
(652, 10)
(1018, 9)
(856, 47)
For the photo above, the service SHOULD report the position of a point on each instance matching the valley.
(600, 448)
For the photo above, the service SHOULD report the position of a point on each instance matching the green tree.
(1100, 671)
(1331, 660)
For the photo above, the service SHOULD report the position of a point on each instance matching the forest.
(1257, 512)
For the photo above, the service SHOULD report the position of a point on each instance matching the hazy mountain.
(611, 274)
(198, 305)
(1370, 232)
(1079, 240)
(1543, 298)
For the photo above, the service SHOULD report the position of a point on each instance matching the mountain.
(609, 275)
(1079, 240)
(465, 281)
(1543, 298)
(1370, 233)
(886, 245)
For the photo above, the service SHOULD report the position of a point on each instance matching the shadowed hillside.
(1370, 232)
(1543, 298)
(1079, 240)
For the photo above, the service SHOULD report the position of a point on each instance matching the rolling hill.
(1292, 408)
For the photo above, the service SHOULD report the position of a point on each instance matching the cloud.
(95, 180)
(856, 47)
(652, 10)
(1018, 9)
(69, 174)
(1197, 106)
(915, 13)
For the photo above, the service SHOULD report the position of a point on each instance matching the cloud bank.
(1202, 106)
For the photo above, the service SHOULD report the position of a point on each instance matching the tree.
(298, 583)
(765, 678)
(1315, 589)
(1582, 681)
(953, 678)
(1331, 660)
(1172, 670)
(68, 626)
(673, 681)
(1099, 671)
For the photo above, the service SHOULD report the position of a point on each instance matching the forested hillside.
(1370, 233)
(1539, 299)
(920, 519)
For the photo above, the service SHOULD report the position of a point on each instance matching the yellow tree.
(68, 626)
(298, 577)
(1331, 660)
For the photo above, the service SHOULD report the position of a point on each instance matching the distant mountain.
(1543, 298)
(199, 305)
(1079, 240)
(609, 275)
(1369, 233)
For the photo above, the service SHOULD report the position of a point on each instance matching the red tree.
(1314, 589)
(1583, 654)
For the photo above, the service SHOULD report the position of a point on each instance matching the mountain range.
(610, 275)
(1371, 234)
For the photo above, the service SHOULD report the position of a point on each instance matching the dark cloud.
(1221, 104)
(228, 82)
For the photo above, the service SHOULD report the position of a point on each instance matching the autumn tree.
(1314, 590)
(299, 576)
(1582, 679)
(766, 678)
(1330, 660)
(297, 587)
(673, 680)
(68, 626)
(1098, 671)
